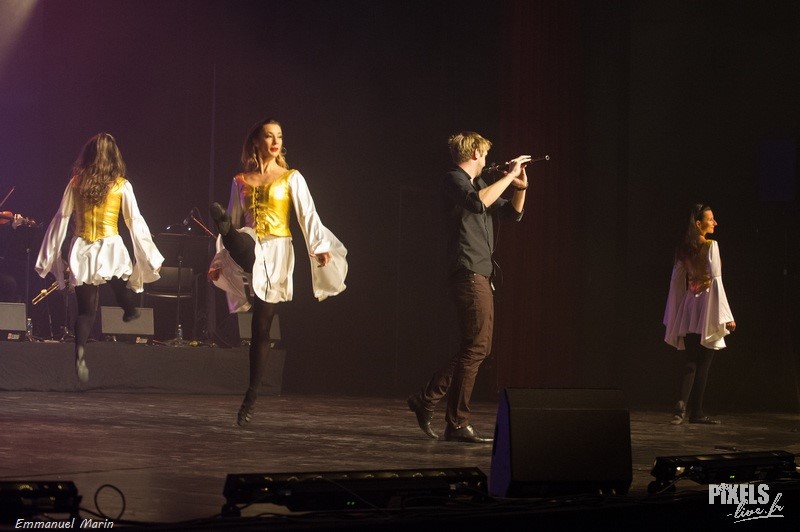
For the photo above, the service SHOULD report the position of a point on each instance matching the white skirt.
(271, 280)
(96, 262)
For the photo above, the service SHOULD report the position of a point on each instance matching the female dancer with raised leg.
(255, 242)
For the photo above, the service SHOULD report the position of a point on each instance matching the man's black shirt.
(470, 228)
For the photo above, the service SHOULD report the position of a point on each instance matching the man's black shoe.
(424, 415)
(465, 434)
(704, 420)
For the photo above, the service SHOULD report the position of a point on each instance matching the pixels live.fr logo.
(752, 500)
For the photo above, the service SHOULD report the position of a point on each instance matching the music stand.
(182, 251)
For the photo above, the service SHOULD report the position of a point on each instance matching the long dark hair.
(97, 167)
(690, 245)
(251, 160)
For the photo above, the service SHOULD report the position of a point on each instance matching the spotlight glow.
(14, 16)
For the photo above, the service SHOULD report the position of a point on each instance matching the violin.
(16, 220)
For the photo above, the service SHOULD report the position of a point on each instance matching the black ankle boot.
(221, 217)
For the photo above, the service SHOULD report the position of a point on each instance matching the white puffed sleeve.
(328, 280)
(49, 259)
(148, 258)
(677, 292)
(717, 311)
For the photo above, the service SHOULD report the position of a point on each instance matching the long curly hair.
(97, 168)
(251, 160)
(690, 246)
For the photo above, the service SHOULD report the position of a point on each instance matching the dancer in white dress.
(255, 244)
(697, 317)
(96, 195)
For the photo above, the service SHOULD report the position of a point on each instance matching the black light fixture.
(27, 499)
(731, 468)
(349, 490)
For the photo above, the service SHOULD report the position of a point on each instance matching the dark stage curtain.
(538, 318)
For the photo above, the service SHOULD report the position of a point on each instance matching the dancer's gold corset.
(697, 272)
(697, 286)
(93, 222)
(266, 207)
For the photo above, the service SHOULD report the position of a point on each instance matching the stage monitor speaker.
(12, 321)
(350, 490)
(551, 442)
(137, 331)
(245, 328)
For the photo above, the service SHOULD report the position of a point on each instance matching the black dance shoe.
(704, 420)
(465, 434)
(132, 315)
(680, 413)
(245, 415)
(424, 415)
(221, 217)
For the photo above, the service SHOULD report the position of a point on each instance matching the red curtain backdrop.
(538, 314)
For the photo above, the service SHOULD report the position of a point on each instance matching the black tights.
(263, 313)
(242, 249)
(695, 374)
(88, 296)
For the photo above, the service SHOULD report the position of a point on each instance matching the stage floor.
(169, 454)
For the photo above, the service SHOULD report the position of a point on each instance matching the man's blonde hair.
(463, 144)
